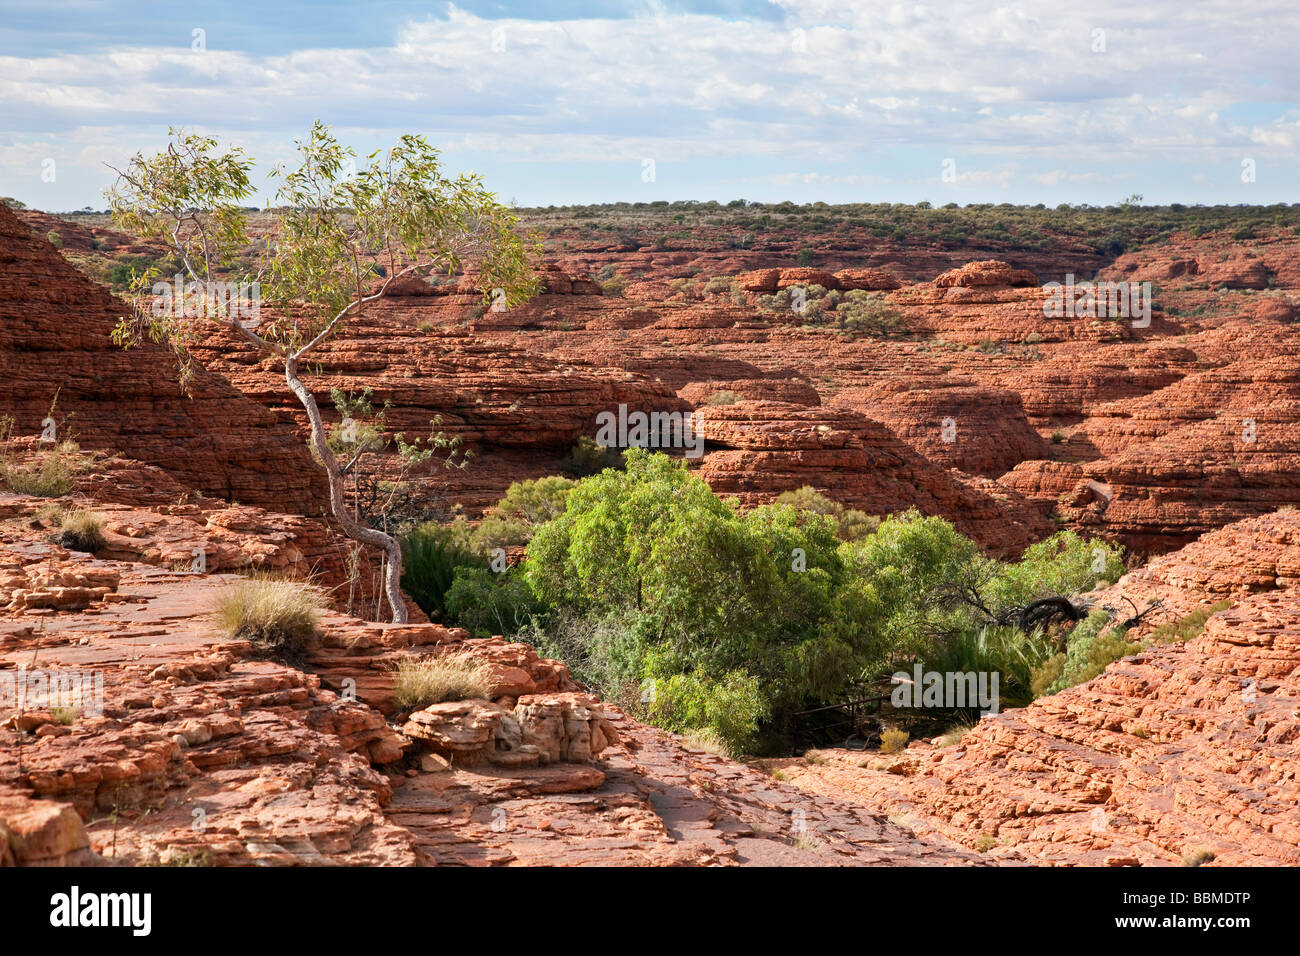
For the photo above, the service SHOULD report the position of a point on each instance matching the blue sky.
(570, 102)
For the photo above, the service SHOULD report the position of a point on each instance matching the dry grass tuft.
(81, 530)
(953, 735)
(55, 477)
(432, 680)
(277, 616)
(707, 740)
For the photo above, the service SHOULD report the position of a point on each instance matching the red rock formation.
(1179, 751)
(758, 450)
(1182, 263)
(204, 755)
(1161, 756)
(55, 330)
(760, 280)
(873, 280)
(990, 272)
(1214, 447)
(990, 315)
(790, 278)
(1067, 387)
(519, 411)
(789, 390)
(770, 280)
(85, 239)
(982, 431)
(1249, 557)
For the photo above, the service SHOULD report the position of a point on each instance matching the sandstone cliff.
(55, 330)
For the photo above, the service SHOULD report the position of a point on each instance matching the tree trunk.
(338, 497)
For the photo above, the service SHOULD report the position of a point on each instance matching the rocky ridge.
(1178, 752)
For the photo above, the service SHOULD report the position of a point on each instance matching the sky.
(587, 101)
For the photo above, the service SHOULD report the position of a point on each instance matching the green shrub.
(730, 707)
(487, 603)
(1011, 654)
(65, 715)
(1188, 627)
(54, 239)
(809, 499)
(866, 312)
(536, 501)
(853, 525)
(588, 458)
(120, 274)
(911, 564)
(1065, 563)
(709, 741)
(497, 531)
(724, 397)
(1092, 646)
(526, 505)
(850, 524)
(54, 478)
(953, 735)
(430, 557)
(712, 591)
(605, 653)
(646, 575)
(1046, 674)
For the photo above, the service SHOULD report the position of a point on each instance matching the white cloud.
(1022, 82)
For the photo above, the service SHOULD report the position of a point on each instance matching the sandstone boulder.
(989, 272)
(564, 727)
(870, 280)
(806, 277)
(760, 280)
(542, 728)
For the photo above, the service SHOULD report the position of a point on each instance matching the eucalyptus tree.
(341, 234)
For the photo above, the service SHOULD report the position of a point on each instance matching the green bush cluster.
(689, 612)
(1093, 645)
(867, 313)
(431, 556)
(855, 312)
(789, 227)
(850, 524)
(487, 602)
(587, 458)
